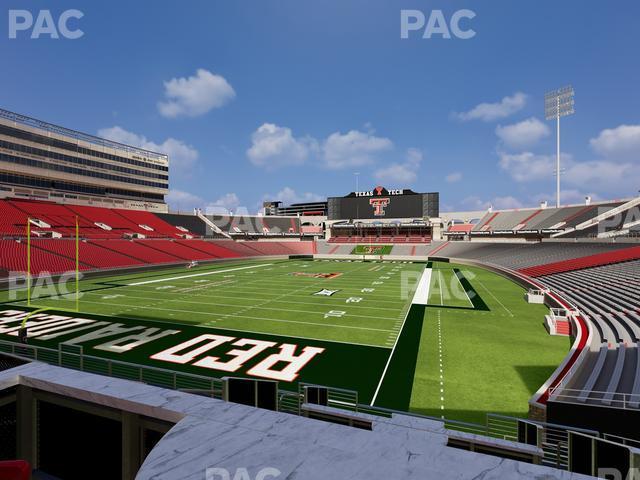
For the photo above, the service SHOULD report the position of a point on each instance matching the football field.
(473, 344)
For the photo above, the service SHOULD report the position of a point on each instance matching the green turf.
(495, 350)
(492, 361)
(268, 300)
(372, 250)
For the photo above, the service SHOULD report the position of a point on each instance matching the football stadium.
(400, 329)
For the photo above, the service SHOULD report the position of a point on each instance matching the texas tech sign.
(379, 205)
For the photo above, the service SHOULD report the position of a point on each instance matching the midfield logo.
(316, 275)
(326, 293)
(379, 205)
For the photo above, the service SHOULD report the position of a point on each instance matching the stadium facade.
(39, 160)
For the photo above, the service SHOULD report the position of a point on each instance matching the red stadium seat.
(15, 470)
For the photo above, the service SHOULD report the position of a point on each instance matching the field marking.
(462, 287)
(225, 317)
(386, 367)
(440, 362)
(147, 282)
(494, 297)
(440, 286)
(421, 293)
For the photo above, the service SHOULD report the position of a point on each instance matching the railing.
(553, 440)
(626, 401)
(72, 356)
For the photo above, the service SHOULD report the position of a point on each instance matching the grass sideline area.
(350, 315)
(474, 361)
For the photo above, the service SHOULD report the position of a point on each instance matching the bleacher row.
(609, 296)
(519, 256)
(540, 219)
(93, 222)
(58, 255)
(113, 238)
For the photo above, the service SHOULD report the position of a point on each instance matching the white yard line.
(494, 297)
(440, 286)
(170, 279)
(238, 316)
(462, 287)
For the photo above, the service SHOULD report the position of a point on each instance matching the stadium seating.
(213, 249)
(175, 249)
(12, 221)
(13, 258)
(617, 256)
(89, 253)
(138, 251)
(609, 297)
(159, 226)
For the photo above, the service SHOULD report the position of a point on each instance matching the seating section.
(159, 226)
(13, 259)
(50, 217)
(540, 219)
(214, 250)
(609, 297)
(89, 254)
(518, 256)
(607, 258)
(138, 250)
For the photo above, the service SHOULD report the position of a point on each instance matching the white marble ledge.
(212, 433)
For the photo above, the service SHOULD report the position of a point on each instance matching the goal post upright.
(77, 265)
(28, 261)
(76, 297)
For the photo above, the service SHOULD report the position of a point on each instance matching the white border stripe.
(421, 295)
(422, 285)
(196, 275)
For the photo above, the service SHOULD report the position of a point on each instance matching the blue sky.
(287, 99)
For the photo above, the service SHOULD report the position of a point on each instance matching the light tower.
(558, 103)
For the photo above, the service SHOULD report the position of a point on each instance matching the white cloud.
(620, 143)
(195, 95)
(227, 203)
(523, 134)
(529, 167)
(453, 177)
(612, 179)
(605, 176)
(488, 112)
(352, 149)
(183, 201)
(401, 174)
(288, 196)
(182, 157)
(498, 203)
(274, 146)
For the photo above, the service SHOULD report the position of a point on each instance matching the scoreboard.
(381, 203)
